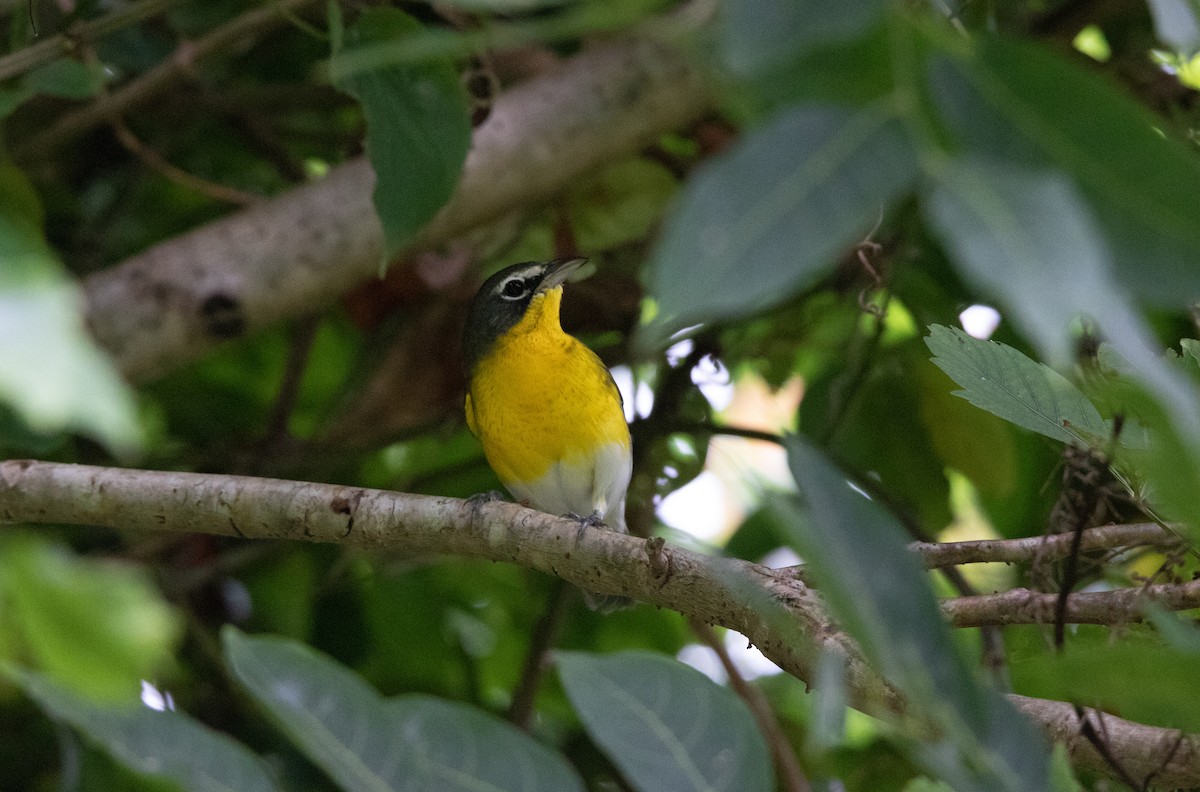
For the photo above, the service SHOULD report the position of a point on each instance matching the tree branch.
(736, 594)
(158, 80)
(296, 253)
(43, 52)
(1022, 606)
(777, 613)
(1048, 548)
(1163, 758)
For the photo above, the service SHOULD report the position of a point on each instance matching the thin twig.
(558, 604)
(303, 334)
(156, 161)
(160, 78)
(1022, 606)
(791, 776)
(1106, 537)
(86, 32)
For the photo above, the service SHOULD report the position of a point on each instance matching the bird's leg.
(593, 520)
(480, 498)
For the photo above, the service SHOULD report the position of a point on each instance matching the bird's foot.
(480, 498)
(593, 520)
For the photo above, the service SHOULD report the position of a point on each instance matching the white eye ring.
(506, 294)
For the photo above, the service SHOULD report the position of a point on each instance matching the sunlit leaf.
(1005, 382)
(98, 627)
(162, 744)
(771, 216)
(51, 372)
(418, 127)
(365, 742)
(665, 725)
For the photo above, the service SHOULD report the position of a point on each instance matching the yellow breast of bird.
(549, 416)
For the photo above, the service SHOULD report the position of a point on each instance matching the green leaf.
(1021, 103)
(365, 742)
(1062, 774)
(756, 35)
(899, 454)
(665, 725)
(997, 378)
(619, 204)
(51, 372)
(66, 78)
(98, 628)
(771, 216)
(1099, 674)
(13, 97)
(164, 745)
(1177, 23)
(1178, 634)
(1026, 236)
(927, 785)
(506, 6)
(878, 591)
(418, 127)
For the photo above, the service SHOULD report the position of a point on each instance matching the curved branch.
(777, 613)
(1022, 606)
(1047, 548)
(739, 595)
(296, 253)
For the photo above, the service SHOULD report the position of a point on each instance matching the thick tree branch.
(1022, 606)
(745, 597)
(777, 613)
(1047, 548)
(296, 253)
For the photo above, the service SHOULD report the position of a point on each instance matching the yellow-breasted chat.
(543, 405)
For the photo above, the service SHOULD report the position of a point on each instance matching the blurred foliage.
(872, 171)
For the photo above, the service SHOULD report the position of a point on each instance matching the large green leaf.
(771, 216)
(166, 744)
(997, 378)
(99, 628)
(755, 35)
(1020, 103)
(418, 127)
(1025, 235)
(898, 455)
(365, 742)
(667, 727)
(1099, 675)
(881, 595)
(51, 372)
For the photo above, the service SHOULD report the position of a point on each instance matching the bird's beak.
(558, 272)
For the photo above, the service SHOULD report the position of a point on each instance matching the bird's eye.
(513, 289)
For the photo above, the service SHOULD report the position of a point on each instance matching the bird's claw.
(593, 520)
(480, 498)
